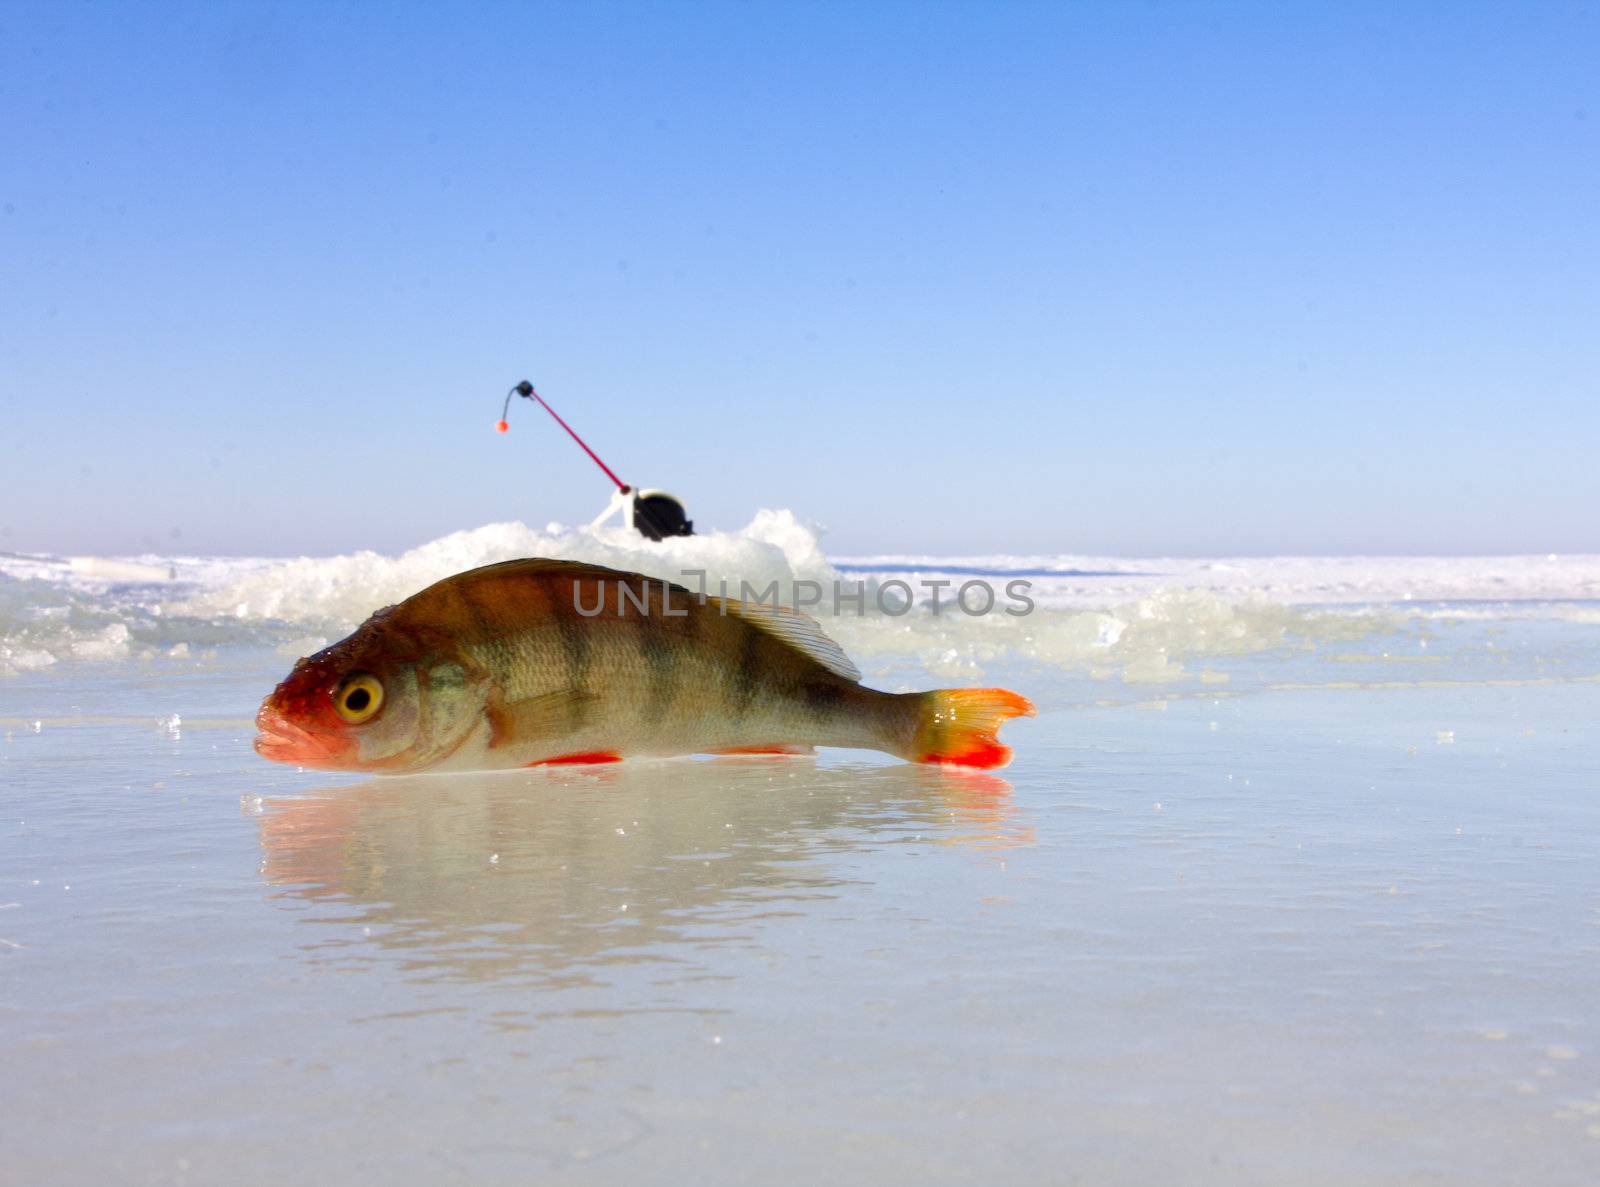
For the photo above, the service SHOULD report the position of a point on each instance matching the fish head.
(384, 700)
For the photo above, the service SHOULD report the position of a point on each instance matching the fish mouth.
(281, 740)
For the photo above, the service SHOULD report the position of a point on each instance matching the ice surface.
(1282, 936)
(1293, 880)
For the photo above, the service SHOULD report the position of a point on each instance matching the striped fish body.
(540, 661)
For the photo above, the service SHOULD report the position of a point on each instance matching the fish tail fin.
(958, 726)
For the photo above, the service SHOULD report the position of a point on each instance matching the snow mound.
(340, 592)
(1151, 620)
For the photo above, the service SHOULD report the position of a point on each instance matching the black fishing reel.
(656, 515)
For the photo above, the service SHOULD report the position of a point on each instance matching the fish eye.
(358, 699)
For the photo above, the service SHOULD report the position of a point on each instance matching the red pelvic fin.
(588, 756)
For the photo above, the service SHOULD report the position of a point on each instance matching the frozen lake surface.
(1285, 886)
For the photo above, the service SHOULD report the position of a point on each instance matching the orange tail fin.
(959, 725)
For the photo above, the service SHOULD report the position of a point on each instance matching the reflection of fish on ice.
(485, 876)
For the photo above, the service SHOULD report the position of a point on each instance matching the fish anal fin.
(586, 758)
(548, 715)
(800, 631)
(776, 748)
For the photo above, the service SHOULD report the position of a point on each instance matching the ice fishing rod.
(654, 514)
(525, 389)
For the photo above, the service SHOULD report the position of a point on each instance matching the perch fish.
(539, 661)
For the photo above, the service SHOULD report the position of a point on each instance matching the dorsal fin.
(546, 564)
(800, 631)
(535, 566)
(797, 630)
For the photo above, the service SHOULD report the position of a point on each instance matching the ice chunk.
(111, 642)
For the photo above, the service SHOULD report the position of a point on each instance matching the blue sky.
(1109, 278)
